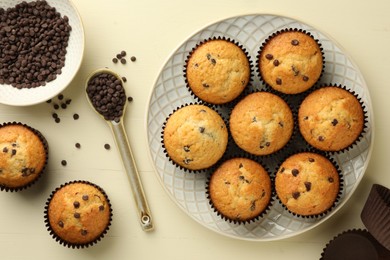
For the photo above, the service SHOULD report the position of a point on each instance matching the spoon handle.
(123, 145)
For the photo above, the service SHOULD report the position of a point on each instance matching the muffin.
(307, 184)
(261, 123)
(78, 214)
(23, 156)
(331, 119)
(240, 189)
(195, 137)
(217, 71)
(290, 61)
(354, 244)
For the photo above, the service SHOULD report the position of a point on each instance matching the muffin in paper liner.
(332, 118)
(295, 181)
(290, 61)
(356, 244)
(24, 155)
(243, 182)
(194, 137)
(78, 214)
(262, 123)
(217, 70)
(376, 214)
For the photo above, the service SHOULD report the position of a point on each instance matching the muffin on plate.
(217, 70)
(195, 137)
(331, 118)
(240, 189)
(307, 184)
(23, 156)
(261, 123)
(290, 61)
(78, 214)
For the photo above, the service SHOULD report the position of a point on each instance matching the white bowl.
(10, 95)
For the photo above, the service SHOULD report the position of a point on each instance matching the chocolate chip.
(241, 177)
(60, 96)
(305, 118)
(187, 161)
(205, 85)
(114, 60)
(13, 152)
(56, 106)
(335, 122)
(76, 215)
(295, 172)
(254, 119)
(308, 185)
(311, 160)
(101, 208)
(54, 115)
(133, 58)
(68, 101)
(240, 166)
(201, 129)
(253, 205)
(282, 170)
(76, 204)
(124, 79)
(76, 116)
(186, 148)
(85, 197)
(84, 232)
(279, 81)
(227, 182)
(213, 61)
(118, 56)
(60, 224)
(64, 162)
(269, 56)
(57, 120)
(276, 63)
(63, 105)
(305, 78)
(5, 150)
(321, 138)
(123, 53)
(123, 61)
(107, 146)
(330, 179)
(130, 99)
(294, 42)
(295, 70)
(296, 194)
(267, 144)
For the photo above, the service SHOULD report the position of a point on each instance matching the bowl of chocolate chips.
(41, 49)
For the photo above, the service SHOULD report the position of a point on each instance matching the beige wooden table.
(151, 30)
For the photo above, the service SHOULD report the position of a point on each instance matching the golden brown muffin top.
(79, 213)
(218, 71)
(331, 118)
(195, 137)
(291, 62)
(307, 184)
(262, 123)
(240, 189)
(22, 155)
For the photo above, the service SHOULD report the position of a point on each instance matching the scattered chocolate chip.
(321, 138)
(60, 96)
(267, 144)
(281, 124)
(60, 224)
(295, 70)
(64, 162)
(123, 53)
(205, 85)
(186, 148)
(63, 105)
(241, 177)
(123, 61)
(279, 81)
(76, 116)
(76, 204)
(335, 122)
(57, 120)
(56, 106)
(269, 56)
(253, 205)
(78, 145)
(294, 42)
(48, 101)
(201, 129)
(295, 172)
(296, 194)
(305, 78)
(254, 119)
(124, 79)
(114, 60)
(13, 152)
(330, 179)
(133, 58)
(227, 182)
(187, 161)
(68, 101)
(282, 170)
(240, 166)
(84, 232)
(308, 185)
(85, 197)
(118, 56)
(213, 61)
(311, 160)
(263, 194)
(76, 215)
(5, 150)
(107, 146)
(305, 118)
(54, 115)
(276, 63)
(130, 99)
(208, 56)
(101, 208)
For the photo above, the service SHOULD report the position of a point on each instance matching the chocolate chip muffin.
(217, 71)
(331, 118)
(23, 156)
(195, 137)
(290, 61)
(261, 123)
(78, 214)
(307, 184)
(240, 189)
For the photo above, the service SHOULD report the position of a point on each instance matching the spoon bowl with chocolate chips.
(107, 96)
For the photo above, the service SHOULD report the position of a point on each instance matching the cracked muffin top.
(195, 137)
(261, 123)
(290, 61)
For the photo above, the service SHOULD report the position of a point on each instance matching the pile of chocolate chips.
(33, 41)
(107, 95)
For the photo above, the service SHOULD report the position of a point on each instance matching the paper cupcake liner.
(60, 240)
(341, 183)
(235, 221)
(268, 86)
(376, 214)
(250, 80)
(210, 168)
(356, 244)
(38, 176)
(281, 150)
(365, 117)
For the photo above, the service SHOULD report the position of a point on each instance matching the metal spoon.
(123, 145)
